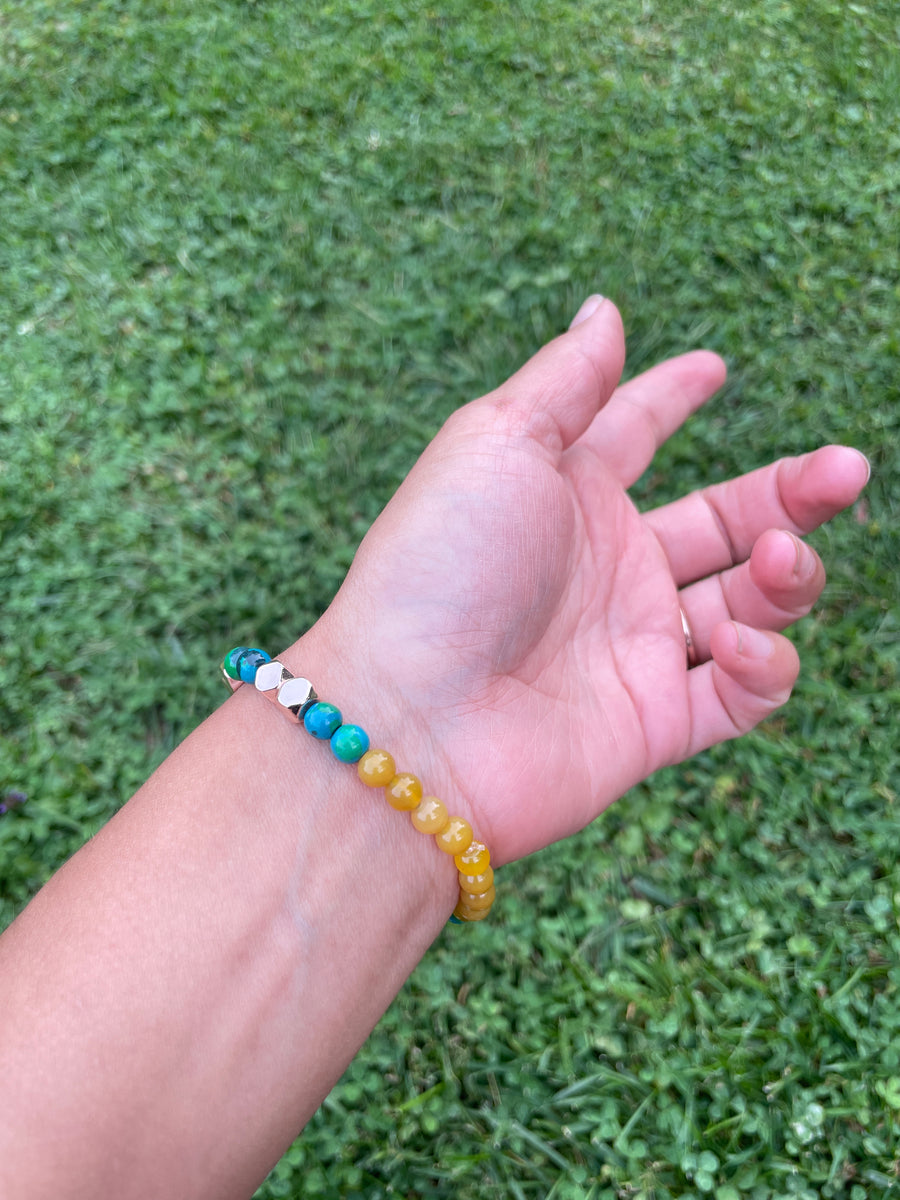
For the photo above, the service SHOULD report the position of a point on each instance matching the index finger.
(644, 412)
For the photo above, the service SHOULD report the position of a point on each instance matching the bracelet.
(297, 699)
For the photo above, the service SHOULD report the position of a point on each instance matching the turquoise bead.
(349, 743)
(232, 662)
(322, 720)
(250, 662)
(455, 920)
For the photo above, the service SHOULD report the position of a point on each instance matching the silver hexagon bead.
(271, 675)
(296, 696)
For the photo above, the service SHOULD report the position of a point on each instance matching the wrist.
(378, 842)
(377, 750)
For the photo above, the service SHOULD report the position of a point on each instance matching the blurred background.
(252, 254)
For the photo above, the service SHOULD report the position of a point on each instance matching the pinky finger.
(751, 674)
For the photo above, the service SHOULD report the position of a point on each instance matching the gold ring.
(689, 645)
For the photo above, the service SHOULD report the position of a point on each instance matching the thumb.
(557, 393)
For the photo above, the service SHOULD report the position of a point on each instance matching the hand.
(523, 617)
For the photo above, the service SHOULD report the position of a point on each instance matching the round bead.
(463, 913)
(474, 860)
(349, 743)
(376, 768)
(431, 816)
(250, 662)
(404, 792)
(455, 837)
(478, 901)
(322, 720)
(476, 883)
(231, 664)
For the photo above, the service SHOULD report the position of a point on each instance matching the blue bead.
(250, 662)
(349, 743)
(322, 720)
(455, 920)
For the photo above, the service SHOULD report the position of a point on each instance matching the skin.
(181, 996)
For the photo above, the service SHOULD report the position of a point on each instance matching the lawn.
(252, 255)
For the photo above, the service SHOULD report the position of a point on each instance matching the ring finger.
(776, 586)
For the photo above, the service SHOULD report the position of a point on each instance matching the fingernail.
(587, 310)
(865, 460)
(752, 643)
(803, 562)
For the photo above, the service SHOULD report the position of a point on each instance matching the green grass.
(252, 255)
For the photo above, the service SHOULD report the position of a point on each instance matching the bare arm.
(185, 991)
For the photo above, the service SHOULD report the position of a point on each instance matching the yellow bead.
(404, 792)
(463, 912)
(455, 837)
(376, 768)
(473, 860)
(480, 900)
(431, 816)
(476, 883)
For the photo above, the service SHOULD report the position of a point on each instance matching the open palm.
(523, 619)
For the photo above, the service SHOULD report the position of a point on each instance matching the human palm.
(524, 618)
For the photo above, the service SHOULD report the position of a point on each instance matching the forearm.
(182, 995)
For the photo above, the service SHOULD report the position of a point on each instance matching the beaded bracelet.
(297, 699)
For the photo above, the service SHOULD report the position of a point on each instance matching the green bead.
(232, 662)
(349, 743)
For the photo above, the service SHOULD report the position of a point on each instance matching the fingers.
(715, 528)
(559, 391)
(750, 676)
(778, 585)
(647, 410)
